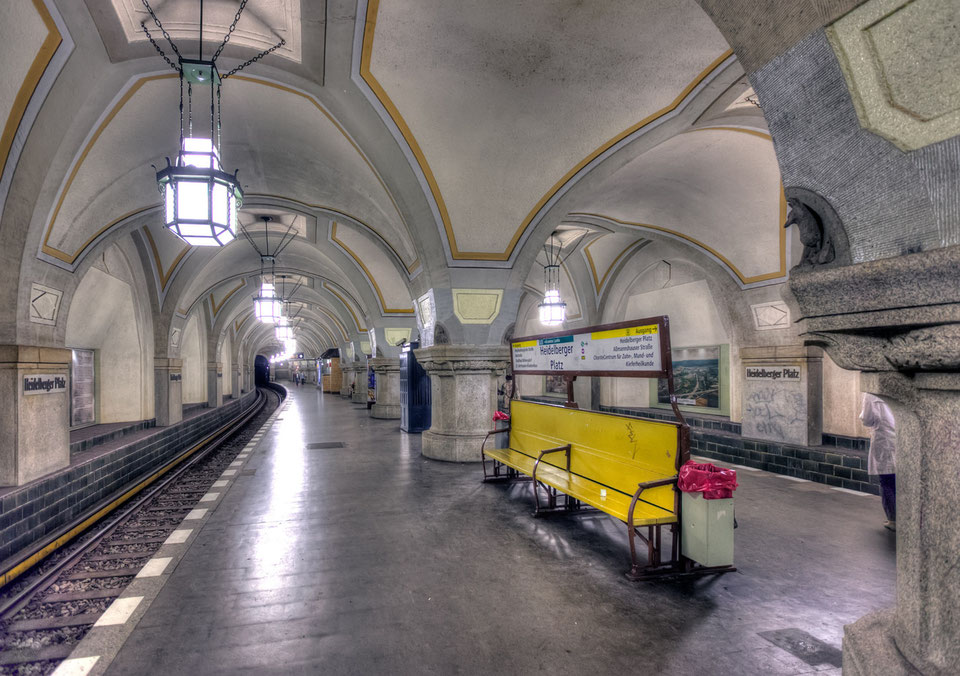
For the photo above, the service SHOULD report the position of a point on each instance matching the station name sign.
(44, 384)
(773, 373)
(628, 348)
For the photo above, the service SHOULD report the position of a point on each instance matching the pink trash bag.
(500, 415)
(714, 482)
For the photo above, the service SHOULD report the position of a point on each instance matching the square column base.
(869, 647)
(34, 424)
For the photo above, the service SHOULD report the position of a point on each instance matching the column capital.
(449, 359)
(383, 364)
(27, 356)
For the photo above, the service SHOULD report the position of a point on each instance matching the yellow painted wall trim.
(477, 306)
(30, 82)
(410, 268)
(164, 275)
(366, 271)
(69, 258)
(366, 54)
(746, 280)
(346, 305)
(216, 306)
(237, 325)
(599, 282)
(392, 336)
(333, 318)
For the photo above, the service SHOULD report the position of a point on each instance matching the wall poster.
(701, 377)
(554, 385)
(83, 409)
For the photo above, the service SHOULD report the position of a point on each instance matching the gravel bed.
(113, 564)
(73, 586)
(67, 608)
(30, 669)
(34, 640)
(145, 549)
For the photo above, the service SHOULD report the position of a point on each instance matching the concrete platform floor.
(370, 559)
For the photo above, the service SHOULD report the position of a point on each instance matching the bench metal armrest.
(565, 447)
(641, 487)
(490, 434)
(653, 484)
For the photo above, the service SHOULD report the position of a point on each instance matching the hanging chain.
(233, 26)
(255, 59)
(163, 30)
(189, 109)
(157, 47)
(219, 117)
(180, 149)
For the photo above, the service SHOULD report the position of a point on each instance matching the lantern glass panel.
(192, 201)
(199, 152)
(168, 194)
(221, 204)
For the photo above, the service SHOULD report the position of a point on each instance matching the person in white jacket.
(882, 459)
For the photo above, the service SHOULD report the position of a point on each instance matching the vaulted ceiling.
(399, 140)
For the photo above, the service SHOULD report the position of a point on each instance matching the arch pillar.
(168, 385)
(214, 384)
(898, 321)
(235, 374)
(463, 391)
(387, 373)
(34, 420)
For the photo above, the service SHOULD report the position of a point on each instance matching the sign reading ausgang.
(629, 349)
(44, 384)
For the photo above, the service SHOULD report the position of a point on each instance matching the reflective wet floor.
(368, 558)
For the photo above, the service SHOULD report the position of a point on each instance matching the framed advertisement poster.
(83, 394)
(701, 376)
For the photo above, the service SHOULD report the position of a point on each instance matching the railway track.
(48, 610)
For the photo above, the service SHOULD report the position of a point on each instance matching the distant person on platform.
(882, 460)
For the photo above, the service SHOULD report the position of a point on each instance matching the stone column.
(168, 380)
(388, 388)
(898, 321)
(782, 394)
(214, 384)
(236, 381)
(346, 370)
(360, 382)
(34, 415)
(463, 391)
(924, 627)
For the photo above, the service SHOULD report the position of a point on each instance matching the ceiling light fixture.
(268, 304)
(200, 199)
(553, 311)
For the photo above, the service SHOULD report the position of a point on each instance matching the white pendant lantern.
(200, 199)
(553, 311)
(284, 333)
(267, 305)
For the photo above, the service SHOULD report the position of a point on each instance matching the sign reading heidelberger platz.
(623, 350)
(638, 349)
(44, 384)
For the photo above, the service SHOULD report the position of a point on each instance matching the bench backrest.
(614, 450)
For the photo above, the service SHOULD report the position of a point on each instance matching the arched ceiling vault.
(399, 139)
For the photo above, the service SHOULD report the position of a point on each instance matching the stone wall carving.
(821, 232)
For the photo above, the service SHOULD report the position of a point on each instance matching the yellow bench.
(624, 466)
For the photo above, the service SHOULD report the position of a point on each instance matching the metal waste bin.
(706, 530)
